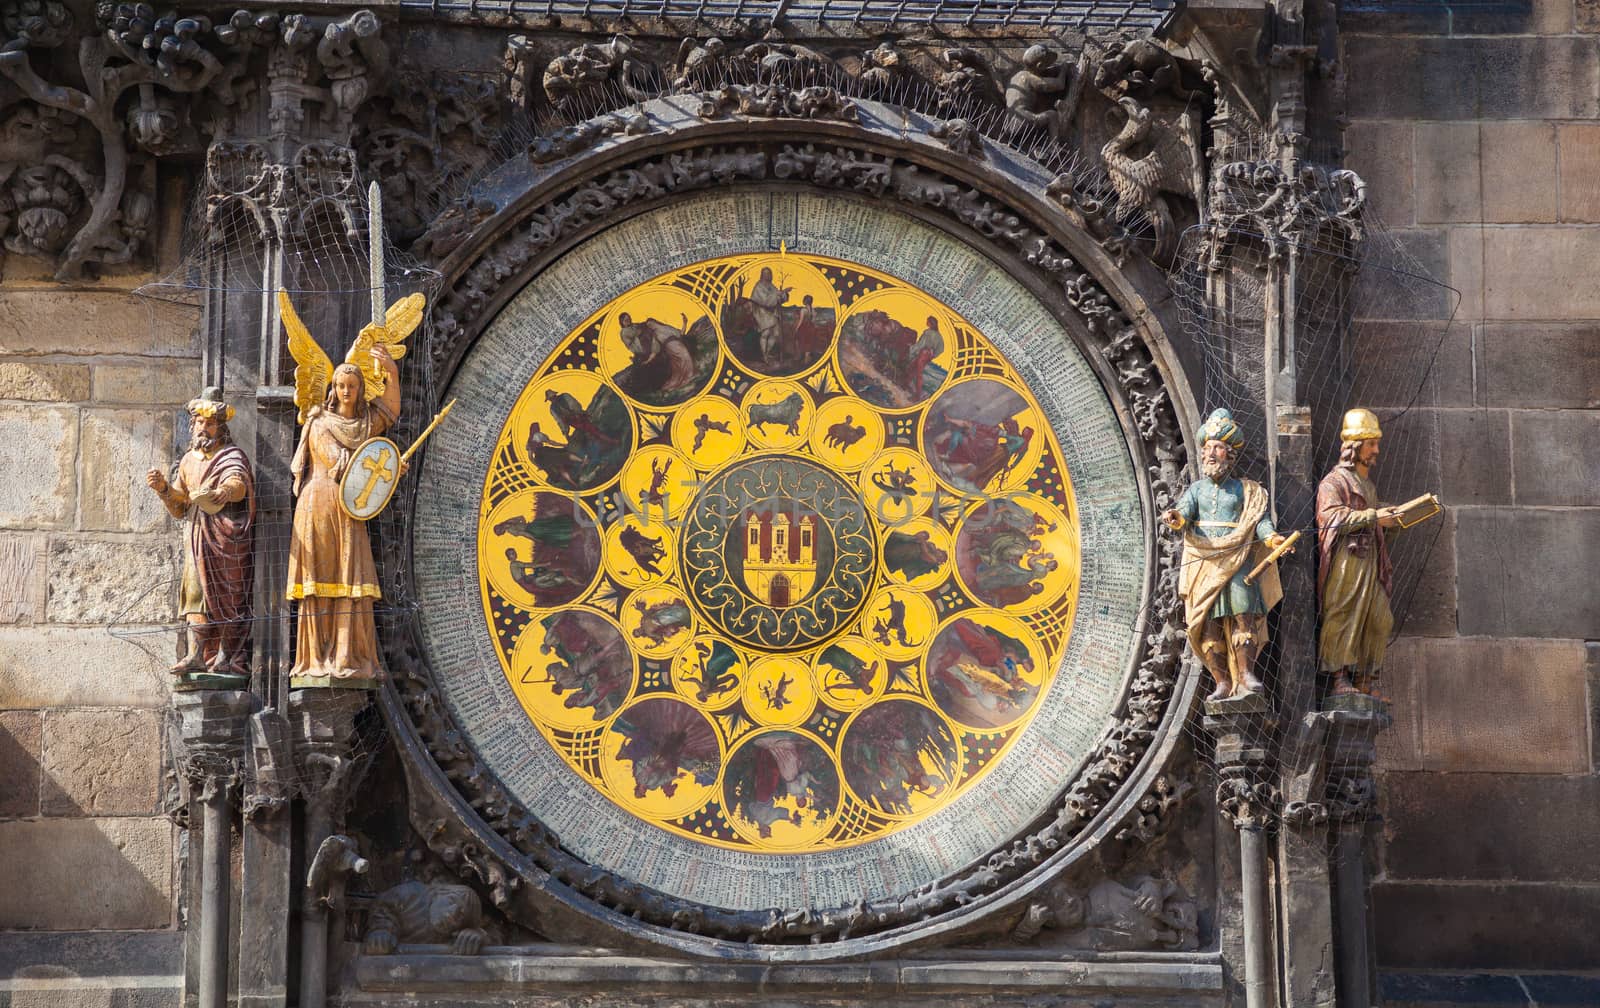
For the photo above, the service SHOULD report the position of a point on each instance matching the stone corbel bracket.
(1229, 34)
(210, 741)
(526, 214)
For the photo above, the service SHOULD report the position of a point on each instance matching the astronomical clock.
(785, 566)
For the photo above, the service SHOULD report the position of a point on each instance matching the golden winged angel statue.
(343, 410)
(331, 571)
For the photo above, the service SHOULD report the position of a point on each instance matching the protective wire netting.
(250, 232)
(257, 226)
(253, 230)
(1329, 316)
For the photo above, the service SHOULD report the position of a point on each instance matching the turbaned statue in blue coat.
(1227, 530)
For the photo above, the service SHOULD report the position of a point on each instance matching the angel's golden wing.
(399, 321)
(313, 369)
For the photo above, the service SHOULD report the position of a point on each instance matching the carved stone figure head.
(1071, 908)
(1361, 438)
(1221, 440)
(208, 424)
(347, 390)
(365, 24)
(451, 908)
(1039, 58)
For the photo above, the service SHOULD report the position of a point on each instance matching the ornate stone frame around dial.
(994, 199)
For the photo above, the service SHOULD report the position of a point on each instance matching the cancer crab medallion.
(779, 553)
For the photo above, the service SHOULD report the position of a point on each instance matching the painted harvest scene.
(778, 552)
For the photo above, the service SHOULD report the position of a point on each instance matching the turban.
(1220, 426)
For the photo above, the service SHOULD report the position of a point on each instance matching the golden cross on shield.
(378, 470)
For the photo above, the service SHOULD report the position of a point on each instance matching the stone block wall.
(1479, 133)
(92, 382)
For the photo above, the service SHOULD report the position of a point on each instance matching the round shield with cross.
(370, 479)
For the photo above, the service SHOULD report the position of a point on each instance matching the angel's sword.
(375, 253)
(380, 308)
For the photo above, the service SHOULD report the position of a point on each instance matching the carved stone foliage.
(1129, 116)
(1353, 797)
(1251, 803)
(592, 77)
(1313, 207)
(354, 58)
(77, 163)
(774, 101)
(1155, 812)
(1135, 914)
(463, 307)
(205, 746)
(1095, 216)
(424, 136)
(570, 140)
(452, 227)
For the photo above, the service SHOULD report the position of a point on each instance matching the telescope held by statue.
(1284, 547)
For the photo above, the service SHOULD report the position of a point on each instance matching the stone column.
(1355, 722)
(266, 840)
(323, 724)
(1243, 729)
(212, 726)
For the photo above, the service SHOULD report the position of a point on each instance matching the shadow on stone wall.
(83, 846)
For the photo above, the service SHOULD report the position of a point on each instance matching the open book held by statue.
(1355, 580)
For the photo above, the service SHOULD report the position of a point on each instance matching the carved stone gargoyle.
(426, 913)
(336, 860)
(1110, 916)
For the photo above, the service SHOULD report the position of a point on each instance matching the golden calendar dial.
(775, 565)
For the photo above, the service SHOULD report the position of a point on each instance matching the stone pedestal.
(1244, 729)
(1355, 722)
